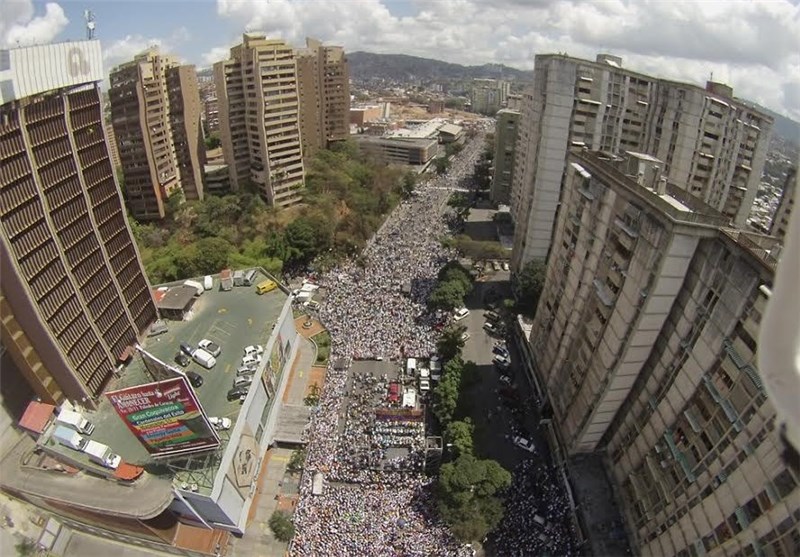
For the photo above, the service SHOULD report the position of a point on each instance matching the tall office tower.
(259, 119)
(505, 139)
(323, 79)
(74, 294)
(780, 221)
(711, 144)
(155, 112)
(645, 342)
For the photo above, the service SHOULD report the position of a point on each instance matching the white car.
(501, 361)
(424, 385)
(465, 337)
(251, 360)
(505, 380)
(496, 265)
(211, 347)
(460, 314)
(523, 444)
(242, 381)
(220, 423)
(253, 349)
(505, 266)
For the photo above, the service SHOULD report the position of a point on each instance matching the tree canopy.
(530, 283)
(459, 435)
(468, 494)
(347, 196)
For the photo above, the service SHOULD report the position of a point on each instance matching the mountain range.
(401, 67)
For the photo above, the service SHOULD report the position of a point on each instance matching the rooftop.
(234, 320)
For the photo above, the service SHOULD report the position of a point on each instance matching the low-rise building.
(417, 152)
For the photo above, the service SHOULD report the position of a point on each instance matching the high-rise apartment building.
(644, 345)
(74, 297)
(155, 112)
(780, 221)
(711, 144)
(323, 79)
(488, 95)
(208, 100)
(259, 119)
(505, 139)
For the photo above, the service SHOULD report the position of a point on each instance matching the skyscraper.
(74, 294)
(780, 221)
(323, 79)
(155, 112)
(259, 119)
(505, 139)
(644, 345)
(711, 144)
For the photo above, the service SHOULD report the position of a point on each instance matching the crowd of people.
(536, 519)
(384, 510)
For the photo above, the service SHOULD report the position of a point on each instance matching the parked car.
(496, 265)
(182, 359)
(187, 349)
(491, 316)
(195, 379)
(204, 358)
(460, 314)
(237, 393)
(220, 423)
(523, 443)
(501, 361)
(253, 349)
(505, 380)
(501, 351)
(465, 336)
(242, 380)
(159, 327)
(491, 328)
(311, 304)
(505, 266)
(211, 347)
(245, 370)
(251, 360)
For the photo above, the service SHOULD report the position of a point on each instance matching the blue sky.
(753, 45)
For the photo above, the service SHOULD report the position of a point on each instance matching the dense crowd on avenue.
(536, 519)
(379, 505)
(382, 444)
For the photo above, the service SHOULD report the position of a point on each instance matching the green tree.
(451, 342)
(211, 255)
(468, 495)
(459, 434)
(296, 461)
(530, 283)
(213, 141)
(441, 164)
(446, 394)
(447, 296)
(281, 525)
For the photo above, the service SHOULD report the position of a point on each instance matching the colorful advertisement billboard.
(165, 417)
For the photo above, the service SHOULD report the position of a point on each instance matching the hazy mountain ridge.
(400, 67)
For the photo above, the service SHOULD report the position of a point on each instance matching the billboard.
(36, 69)
(165, 417)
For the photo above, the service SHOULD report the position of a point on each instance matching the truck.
(69, 438)
(208, 282)
(196, 285)
(75, 420)
(226, 279)
(102, 455)
(204, 358)
(238, 278)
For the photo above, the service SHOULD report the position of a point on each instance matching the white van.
(250, 277)
(411, 365)
(204, 358)
(208, 282)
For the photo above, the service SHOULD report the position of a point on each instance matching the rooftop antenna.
(88, 16)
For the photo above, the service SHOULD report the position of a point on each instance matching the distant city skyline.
(752, 46)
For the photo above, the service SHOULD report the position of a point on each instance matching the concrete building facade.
(711, 144)
(488, 95)
(505, 139)
(780, 222)
(74, 294)
(323, 78)
(645, 342)
(156, 115)
(259, 119)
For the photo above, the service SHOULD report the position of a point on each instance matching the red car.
(394, 392)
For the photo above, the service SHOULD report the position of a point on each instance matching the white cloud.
(215, 55)
(123, 50)
(752, 45)
(19, 27)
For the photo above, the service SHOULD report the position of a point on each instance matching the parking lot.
(232, 319)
